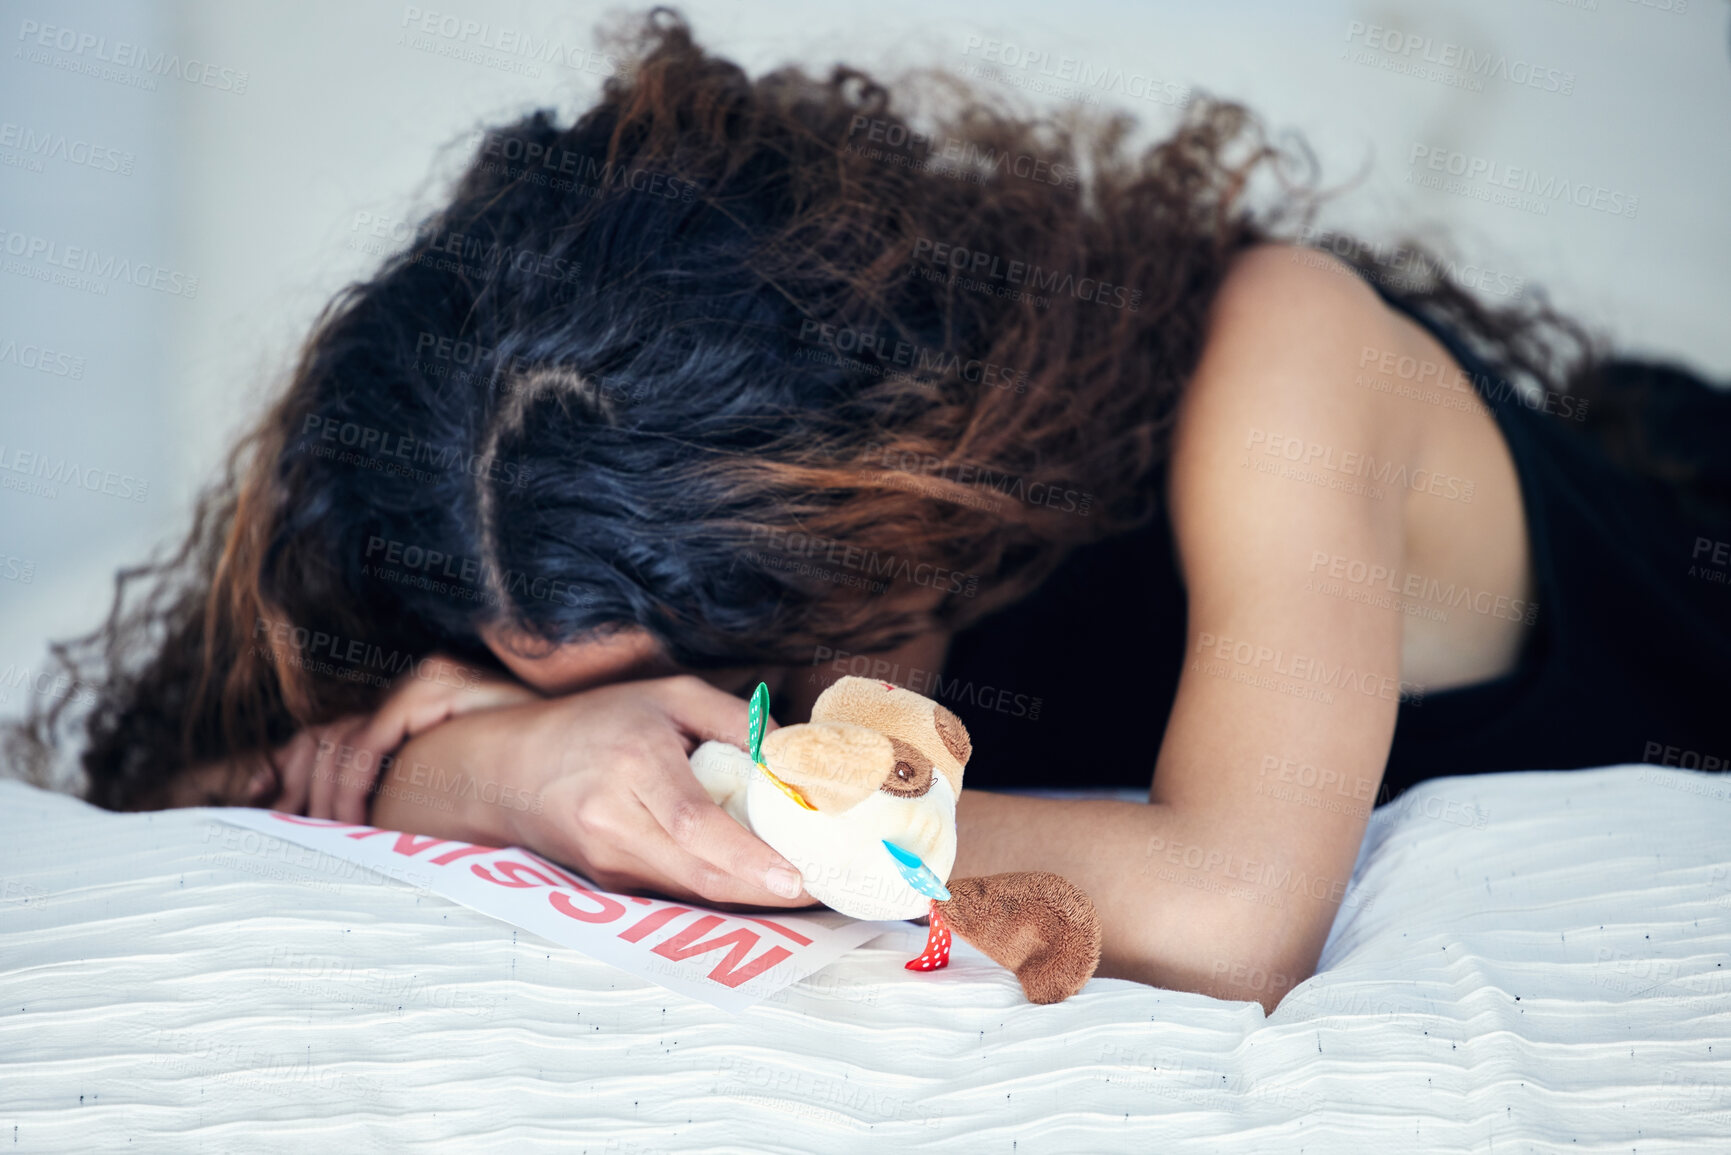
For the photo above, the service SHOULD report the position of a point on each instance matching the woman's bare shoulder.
(1286, 338)
(1275, 429)
(1288, 334)
(1290, 302)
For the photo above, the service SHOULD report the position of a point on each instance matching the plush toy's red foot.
(936, 956)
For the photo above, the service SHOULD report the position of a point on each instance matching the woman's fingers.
(707, 852)
(436, 690)
(670, 869)
(295, 768)
(705, 713)
(364, 749)
(324, 770)
(708, 834)
(620, 845)
(341, 770)
(355, 784)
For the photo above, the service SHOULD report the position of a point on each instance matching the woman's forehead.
(577, 665)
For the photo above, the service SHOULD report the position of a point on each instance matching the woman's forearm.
(454, 781)
(1181, 906)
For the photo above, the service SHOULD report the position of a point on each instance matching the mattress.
(1526, 962)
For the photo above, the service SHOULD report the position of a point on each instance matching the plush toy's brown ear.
(1039, 925)
(953, 734)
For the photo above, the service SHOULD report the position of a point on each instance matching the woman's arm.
(1131, 859)
(599, 780)
(1228, 882)
(329, 770)
(458, 780)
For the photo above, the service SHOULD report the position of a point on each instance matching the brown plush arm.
(1039, 925)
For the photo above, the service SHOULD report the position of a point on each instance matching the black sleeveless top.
(1627, 659)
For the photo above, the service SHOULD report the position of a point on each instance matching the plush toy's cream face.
(877, 762)
(833, 766)
(841, 853)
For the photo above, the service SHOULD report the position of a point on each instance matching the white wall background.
(255, 192)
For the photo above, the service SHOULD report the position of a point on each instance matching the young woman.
(742, 379)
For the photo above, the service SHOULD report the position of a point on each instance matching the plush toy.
(862, 799)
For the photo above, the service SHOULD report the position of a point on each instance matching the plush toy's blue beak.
(918, 874)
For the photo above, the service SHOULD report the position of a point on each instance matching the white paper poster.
(727, 959)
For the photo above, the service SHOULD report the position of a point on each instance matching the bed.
(1523, 962)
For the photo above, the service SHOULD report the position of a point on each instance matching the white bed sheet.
(1555, 978)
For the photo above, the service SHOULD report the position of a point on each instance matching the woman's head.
(725, 370)
(735, 364)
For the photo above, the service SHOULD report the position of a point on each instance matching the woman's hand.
(620, 802)
(601, 781)
(329, 770)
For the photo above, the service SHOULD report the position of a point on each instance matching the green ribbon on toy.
(759, 715)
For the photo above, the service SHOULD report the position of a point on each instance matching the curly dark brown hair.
(637, 369)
